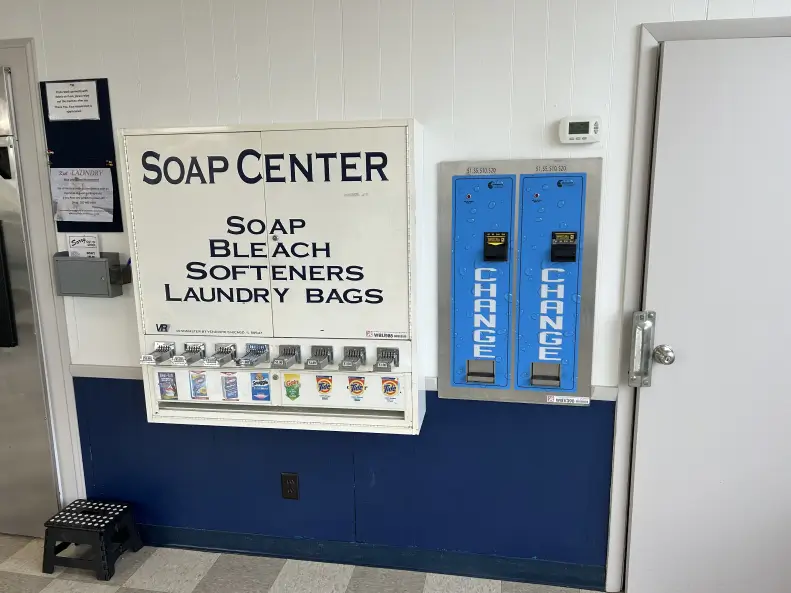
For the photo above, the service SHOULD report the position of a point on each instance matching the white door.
(711, 506)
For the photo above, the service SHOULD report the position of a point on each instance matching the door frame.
(651, 36)
(49, 310)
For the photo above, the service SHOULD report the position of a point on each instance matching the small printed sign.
(374, 333)
(83, 245)
(82, 194)
(72, 100)
(259, 383)
(572, 400)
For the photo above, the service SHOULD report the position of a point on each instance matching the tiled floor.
(167, 570)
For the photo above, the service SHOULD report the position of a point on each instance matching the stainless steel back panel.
(28, 492)
(592, 167)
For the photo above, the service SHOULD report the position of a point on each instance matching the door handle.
(642, 348)
(663, 354)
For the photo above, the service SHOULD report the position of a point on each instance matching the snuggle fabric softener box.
(259, 383)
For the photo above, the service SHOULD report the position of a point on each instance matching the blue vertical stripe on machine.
(549, 203)
(478, 331)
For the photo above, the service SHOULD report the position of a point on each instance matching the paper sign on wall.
(82, 194)
(72, 100)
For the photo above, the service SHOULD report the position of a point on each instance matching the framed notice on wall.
(81, 148)
(82, 194)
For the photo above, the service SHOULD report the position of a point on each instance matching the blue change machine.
(517, 259)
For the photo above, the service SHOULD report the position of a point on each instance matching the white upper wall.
(487, 79)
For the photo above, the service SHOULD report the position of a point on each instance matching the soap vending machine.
(518, 245)
(276, 272)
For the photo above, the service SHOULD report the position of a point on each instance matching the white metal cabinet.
(293, 237)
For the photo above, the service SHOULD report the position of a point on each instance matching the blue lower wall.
(503, 482)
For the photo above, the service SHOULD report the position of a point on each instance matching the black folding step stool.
(108, 527)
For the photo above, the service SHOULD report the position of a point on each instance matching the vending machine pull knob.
(193, 352)
(353, 358)
(223, 354)
(163, 351)
(288, 356)
(320, 356)
(386, 360)
(256, 353)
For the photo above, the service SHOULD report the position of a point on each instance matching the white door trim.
(652, 35)
(40, 226)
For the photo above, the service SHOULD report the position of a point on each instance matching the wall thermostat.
(580, 130)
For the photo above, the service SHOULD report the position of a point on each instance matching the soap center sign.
(299, 233)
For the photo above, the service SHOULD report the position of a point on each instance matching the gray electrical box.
(89, 276)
